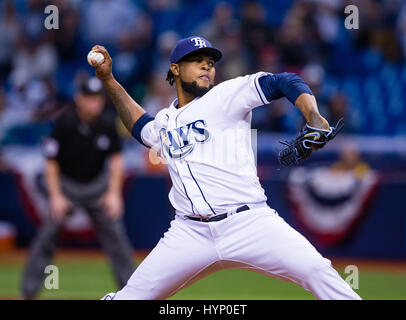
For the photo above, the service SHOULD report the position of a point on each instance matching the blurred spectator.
(276, 117)
(293, 38)
(159, 95)
(53, 104)
(34, 20)
(126, 63)
(313, 74)
(221, 24)
(104, 20)
(350, 160)
(165, 42)
(162, 5)
(370, 18)
(2, 100)
(67, 40)
(225, 31)
(255, 31)
(234, 64)
(337, 109)
(9, 28)
(21, 102)
(377, 26)
(327, 20)
(35, 55)
(133, 59)
(401, 28)
(269, 59)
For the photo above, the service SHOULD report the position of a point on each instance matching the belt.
(220, 216)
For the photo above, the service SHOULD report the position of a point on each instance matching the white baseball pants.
(256, 239)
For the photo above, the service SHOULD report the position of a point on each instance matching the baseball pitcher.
(222, 217)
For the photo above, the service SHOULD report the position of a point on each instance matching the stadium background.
(348, 199)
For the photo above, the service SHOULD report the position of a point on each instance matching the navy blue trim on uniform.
(188, 197)
(289, 85)
(184, 108)
(199, 188)
(259, 93)
(138, 125)
(176, 124)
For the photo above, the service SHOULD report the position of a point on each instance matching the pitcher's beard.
(194, 89)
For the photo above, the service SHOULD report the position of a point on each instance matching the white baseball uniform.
(207, 146)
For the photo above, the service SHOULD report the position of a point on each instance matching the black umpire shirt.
(81, 148)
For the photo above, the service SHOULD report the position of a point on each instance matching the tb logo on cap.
(199, 42)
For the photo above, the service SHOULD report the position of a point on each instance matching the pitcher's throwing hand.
(104, 69)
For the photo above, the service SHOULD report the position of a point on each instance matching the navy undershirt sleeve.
(138, 125)
(289, 85)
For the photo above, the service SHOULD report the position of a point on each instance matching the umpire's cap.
(91, 86)
(193, 44)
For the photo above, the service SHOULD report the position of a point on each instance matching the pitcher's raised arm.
(128, 110)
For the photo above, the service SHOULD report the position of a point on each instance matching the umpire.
(82, 140)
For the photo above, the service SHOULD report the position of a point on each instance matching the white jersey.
(207, 146)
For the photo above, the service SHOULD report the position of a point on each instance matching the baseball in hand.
(95, 58)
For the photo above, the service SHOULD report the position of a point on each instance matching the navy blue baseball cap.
(193, 44)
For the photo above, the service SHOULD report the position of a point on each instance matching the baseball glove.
(300, 148)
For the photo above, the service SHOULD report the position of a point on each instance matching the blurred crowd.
(347, 70)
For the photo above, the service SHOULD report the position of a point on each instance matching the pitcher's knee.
(314, 269)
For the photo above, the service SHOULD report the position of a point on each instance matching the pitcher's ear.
(174, 68)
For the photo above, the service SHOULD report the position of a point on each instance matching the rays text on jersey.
(179, 142)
